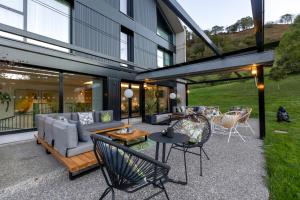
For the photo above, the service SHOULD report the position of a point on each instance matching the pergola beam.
(231, 63)
(222, 80)
(184, 16)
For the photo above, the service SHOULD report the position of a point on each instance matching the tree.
(217, 29)
(277, 74)
(199, 48)
(288, 53)
(286, 19)
(232, 28)
(246, 23)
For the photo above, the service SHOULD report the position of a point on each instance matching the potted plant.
(150, 106)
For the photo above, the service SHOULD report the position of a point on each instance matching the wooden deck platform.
(75, 164)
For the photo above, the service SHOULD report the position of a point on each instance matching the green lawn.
(282, 151)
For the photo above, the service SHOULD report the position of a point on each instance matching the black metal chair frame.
(154, 172)
(186, 146)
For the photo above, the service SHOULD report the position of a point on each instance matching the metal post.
(261, 102)
(61, 93)
(186, 94)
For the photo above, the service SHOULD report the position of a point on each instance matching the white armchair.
(228, 123)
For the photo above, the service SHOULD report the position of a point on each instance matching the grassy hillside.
(282, 151)
(229, 42)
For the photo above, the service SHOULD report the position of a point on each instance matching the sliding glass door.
(130, 107)
(156, 99)
(82, 93)
(25, 92)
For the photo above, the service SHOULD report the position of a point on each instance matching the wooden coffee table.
(126, 138)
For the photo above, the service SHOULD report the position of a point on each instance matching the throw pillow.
(106, 117)
(83, 135)
(85, 118)
(193, 129)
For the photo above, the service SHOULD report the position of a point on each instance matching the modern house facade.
(81, 55)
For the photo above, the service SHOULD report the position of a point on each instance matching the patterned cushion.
(189, 111)
(86, 118)
(193, 129)
(106, 116)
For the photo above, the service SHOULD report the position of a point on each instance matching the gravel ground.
(235, 171)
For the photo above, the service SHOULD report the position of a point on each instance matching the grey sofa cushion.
(40, 124)
(48, 125)
(97, 117)
(162, 117)
(81, 148)
(110, 112)
(74, 117)
(65, 136)
(60, 116)
(101, 126)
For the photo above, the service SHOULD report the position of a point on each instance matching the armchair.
(127, 170)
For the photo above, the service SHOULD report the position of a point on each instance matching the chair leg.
(113, 197)
(236, 131)
(169, 152)
(251, 129)
(164, 189)
(230, 132)
(185, 168)
(205, 153)
(200, 161)
(105, 193)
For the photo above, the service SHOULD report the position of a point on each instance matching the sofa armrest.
(65, 136)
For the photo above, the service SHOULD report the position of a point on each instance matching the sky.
(208, 13)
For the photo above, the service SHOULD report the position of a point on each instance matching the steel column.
(186, 94)
(61, 93)
(261, 102)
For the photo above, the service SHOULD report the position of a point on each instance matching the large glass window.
(130, 107)
(26, 92)
(163, 28)
(13, 4)
(156, 99)
(126, 45)
(13, 19)
(163, 99)
(50, 20)
(164, 58)
(82, 93)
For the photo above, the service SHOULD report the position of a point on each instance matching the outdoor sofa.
(68, 135)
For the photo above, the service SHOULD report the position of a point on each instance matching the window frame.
(165, 52)
(130, 44)
(129, 8)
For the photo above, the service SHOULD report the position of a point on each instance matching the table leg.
(157, 151)
(164, 153)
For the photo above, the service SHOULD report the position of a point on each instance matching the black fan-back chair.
(128, 170)
(198, 118)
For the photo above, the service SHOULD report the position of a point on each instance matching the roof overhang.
(173, 20)
(230, 63)
(186, 18)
